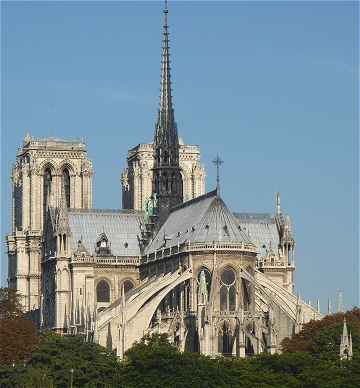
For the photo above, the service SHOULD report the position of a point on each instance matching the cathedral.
(175, 259)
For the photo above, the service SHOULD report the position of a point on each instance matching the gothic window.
(246, 294)
(128, 285)
(166, 157)
(103, 292)
(192, 342)
(173, 183)
(66, 183)
(225, 340)
(165, 182)
(46, 189)
(228, 290)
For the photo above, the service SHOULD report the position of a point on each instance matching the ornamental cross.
(218, 162)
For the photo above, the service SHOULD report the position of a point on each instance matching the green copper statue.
(150, 205)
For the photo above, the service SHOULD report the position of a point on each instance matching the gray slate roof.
(120, 227)
(203, 219)
(261, 229)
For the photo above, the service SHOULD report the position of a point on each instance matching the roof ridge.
(194, 200)
(117, 211)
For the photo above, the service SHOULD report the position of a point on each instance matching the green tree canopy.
(18, 335)
(322, 337)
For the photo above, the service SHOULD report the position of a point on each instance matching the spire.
(167, 179)
(346, 351)
(345, 331)
(166, 126)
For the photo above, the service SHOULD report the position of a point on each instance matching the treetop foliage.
(10, 305)
(18, 335)
(307, 362)
(322, 337)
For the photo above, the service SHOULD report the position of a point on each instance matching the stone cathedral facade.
(174, 260)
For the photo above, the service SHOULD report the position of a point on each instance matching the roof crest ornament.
(218, 162)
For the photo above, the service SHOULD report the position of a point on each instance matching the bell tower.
(44, 169)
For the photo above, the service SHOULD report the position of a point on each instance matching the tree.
(10, 305)
(90, 362)
(322, 337)
(18, 335)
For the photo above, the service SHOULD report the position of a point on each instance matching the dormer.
(103, 245)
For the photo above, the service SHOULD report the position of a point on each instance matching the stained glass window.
(228, 290)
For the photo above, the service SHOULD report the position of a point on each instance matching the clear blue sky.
(270, 86)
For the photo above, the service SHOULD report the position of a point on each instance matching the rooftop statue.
(150, 205)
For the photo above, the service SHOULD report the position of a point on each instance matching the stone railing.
(38, 142)
(273, 264)
(196, 247)
(107, 260)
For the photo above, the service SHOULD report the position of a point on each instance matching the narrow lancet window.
(46, 189)
(66, 183)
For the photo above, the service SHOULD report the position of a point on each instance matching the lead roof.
(121, 227)
(203, 219)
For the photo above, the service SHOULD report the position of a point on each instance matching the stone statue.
(203, 293)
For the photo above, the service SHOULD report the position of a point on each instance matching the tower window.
(66, 183)
(46, 189)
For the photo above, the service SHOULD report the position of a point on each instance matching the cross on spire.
(218, 162)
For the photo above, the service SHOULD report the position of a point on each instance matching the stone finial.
(277, 205)
(27, 137)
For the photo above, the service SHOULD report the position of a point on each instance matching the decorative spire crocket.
(167, 181)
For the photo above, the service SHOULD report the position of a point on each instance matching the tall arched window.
(103, 292)
(246, 294)
(228, 290)
(46, 189)
(66, 183)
